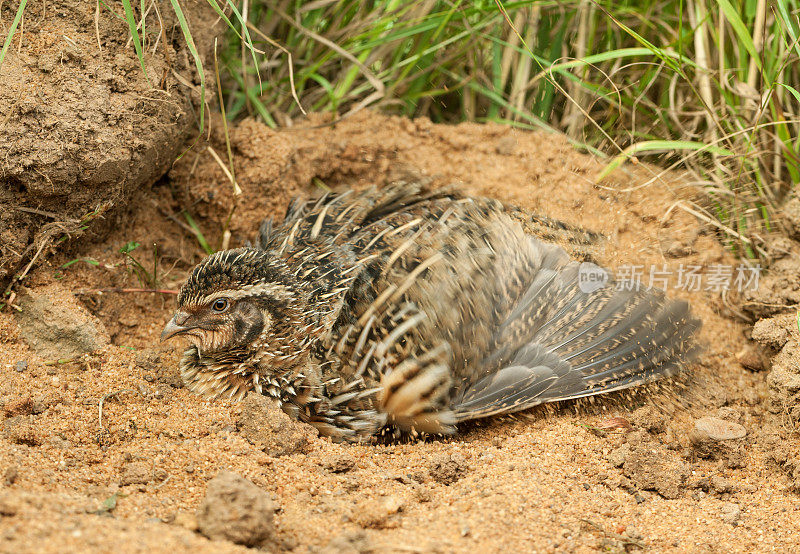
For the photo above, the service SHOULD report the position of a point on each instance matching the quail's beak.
(175, 326)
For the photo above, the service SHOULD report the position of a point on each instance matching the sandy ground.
(548, 480)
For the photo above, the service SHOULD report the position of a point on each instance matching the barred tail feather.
(578, 344)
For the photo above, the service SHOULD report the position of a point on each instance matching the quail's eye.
(220, 305)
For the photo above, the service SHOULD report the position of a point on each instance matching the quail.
(408, 310)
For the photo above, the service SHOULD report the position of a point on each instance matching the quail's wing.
(523, 331)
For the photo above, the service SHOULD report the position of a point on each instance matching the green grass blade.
(12, 30)
(611, 55)
(201, 239)
(741, 30)
(130, 19)
(658, 145)
(187, 35)
(792, 27)
(792, 90)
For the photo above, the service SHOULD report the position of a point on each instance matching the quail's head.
(241, 314)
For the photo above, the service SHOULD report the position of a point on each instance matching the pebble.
(731, 513)
(340, 464)
(21, 366)
(11, 475)
(235, 509)
(447, 469)
(719, 429)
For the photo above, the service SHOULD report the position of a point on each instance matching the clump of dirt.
(715, 438)
(264, 424)
(780, 334)
(82, 127)
(447, 469)
(56, 326)
(553, 479)
(236, 510)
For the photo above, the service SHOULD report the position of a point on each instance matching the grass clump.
(708, 86)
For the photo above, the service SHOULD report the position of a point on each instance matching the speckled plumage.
(410, 310)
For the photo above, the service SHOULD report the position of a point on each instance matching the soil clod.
(340, 464)
(731, 513)
(56, 326)
(446, 469)
(264, 424)
(236, 510)
(649, 467)
(135, 473)
(22, 430)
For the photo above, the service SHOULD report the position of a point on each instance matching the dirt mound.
(82, 127)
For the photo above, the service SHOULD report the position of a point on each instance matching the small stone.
(719, 429)
(11, 475)
(135, 473)
(731, 513)
(376, 513)
(21, 366)
(447, 469)
(497, 442)
(235, 509)
(750, 358)
(340, 464)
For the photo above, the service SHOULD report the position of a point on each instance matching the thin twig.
(51, 215)
(291, 63)
(374, 81)
(225, 170)
(118, 289)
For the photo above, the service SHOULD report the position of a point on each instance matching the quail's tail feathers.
(577, 344)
